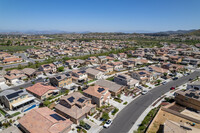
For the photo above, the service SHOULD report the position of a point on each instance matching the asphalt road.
(27, 84)
(127, 117)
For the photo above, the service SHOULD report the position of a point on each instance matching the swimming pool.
(29, 108)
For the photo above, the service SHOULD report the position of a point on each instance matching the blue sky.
(100, 15)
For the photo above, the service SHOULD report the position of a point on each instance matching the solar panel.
(71, 99)
(100, 89)
(81, 100)
(57, 117)
(121, 76)
(141, 73)
(16, 94)
(46, 65)
(58, 77)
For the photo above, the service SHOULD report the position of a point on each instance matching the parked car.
(86, 126)
(172, 88)
(108, 123)
(175, 78)
(164, 82)
(144, 92)
(139, 87)
(190, 79)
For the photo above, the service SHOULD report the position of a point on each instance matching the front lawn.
(2, 112)
(110, 79)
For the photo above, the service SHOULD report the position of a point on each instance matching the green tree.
(105, 116)
(61, 69)
(82, 123)
(20, 66)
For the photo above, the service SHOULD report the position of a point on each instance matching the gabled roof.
(40, 89)
(44, 120)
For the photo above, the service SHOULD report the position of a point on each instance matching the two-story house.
(75, 107)
(142, 75)
(98, 94)
(61, 80)
(118, 66)
(14, 75)
(105, 68)
(79, 76)
(15, 99)
(126, 80)
(48, 68)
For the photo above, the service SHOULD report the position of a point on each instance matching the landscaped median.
(147, 120)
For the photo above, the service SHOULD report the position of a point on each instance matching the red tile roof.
(40, 89)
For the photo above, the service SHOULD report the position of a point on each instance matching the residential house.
(72, 64)
(30, 72)
(98, 94)
(115, 56)
(42, 91)
(15, 99)
(142, 75)
(174, 59)
(189, 98)
(44, 120)
(75, 106)
(138, 53)
(129, 63)
(79, 76)
(113, 87)
(48, 68)
(105, 68)
(172, 67)
(118, 66)
(94, 74)
(122, 56)
(126, 80)
(81, 62)
(93, 60)
(195, 85)
(58, 64)
(157, 71)
(13, 76)
(61, 80)
(149, 55)
(102, 59)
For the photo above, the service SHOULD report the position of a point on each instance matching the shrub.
(115, 111)
(61, 69)
(119, 95)
(105, 116)
(125, 103)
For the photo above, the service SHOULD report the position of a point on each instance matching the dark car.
(175, 78)
(86, 126)
(172, 88)
(190, 79)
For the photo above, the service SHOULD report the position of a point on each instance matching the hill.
(196, 33)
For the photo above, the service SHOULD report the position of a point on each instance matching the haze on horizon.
(99, 15)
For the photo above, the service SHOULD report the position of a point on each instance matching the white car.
(144, 92)
(108, 123)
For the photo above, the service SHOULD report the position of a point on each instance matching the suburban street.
(127, 117)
